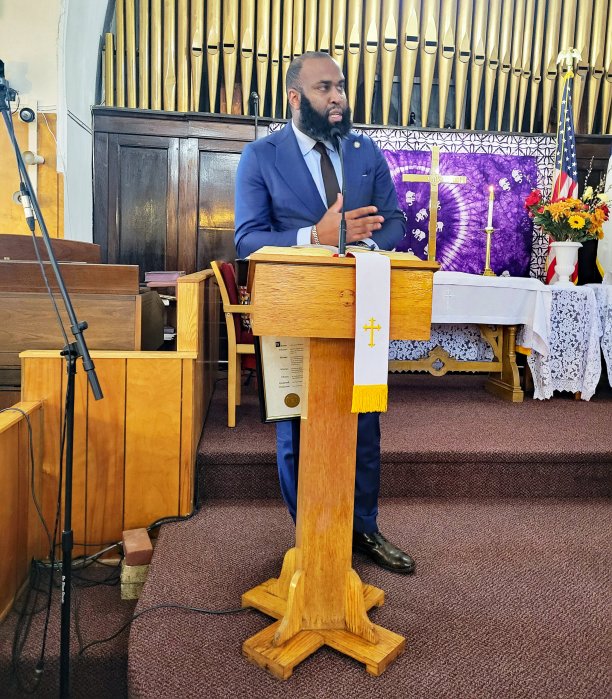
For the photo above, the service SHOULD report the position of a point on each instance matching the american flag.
(565, 178)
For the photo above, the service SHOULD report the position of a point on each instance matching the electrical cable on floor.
(165, 605)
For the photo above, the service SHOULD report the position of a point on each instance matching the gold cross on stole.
(371, 327)
(435, 179)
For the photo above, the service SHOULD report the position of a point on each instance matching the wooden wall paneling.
(152, 440)
(35, 542)
(112, 204)
(212, 320)
(189, 161)
(106, 454)
(101, 200)
(189, 443)
(8, 396)
(216, 203)
(42, 380)
(19, 533)
(190, 309)
(143, 196)
(172, 230)
(10, 520)
(79, 460)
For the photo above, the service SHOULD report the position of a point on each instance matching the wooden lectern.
(318, 598)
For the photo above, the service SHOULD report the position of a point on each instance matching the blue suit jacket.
(276, 195)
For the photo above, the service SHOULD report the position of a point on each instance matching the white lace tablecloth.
(463, 301)
(603, 294)
(574, 360)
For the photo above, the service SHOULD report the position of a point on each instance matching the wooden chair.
(239, 339)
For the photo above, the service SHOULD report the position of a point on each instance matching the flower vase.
(566, 257)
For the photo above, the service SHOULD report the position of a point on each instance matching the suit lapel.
(354, 169)
(292, 168)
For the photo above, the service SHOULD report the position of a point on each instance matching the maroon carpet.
(511, 599)
(509, 527)
(442, 437)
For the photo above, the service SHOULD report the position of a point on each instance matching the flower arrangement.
(570, 219)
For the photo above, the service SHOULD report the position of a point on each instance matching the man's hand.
(360, 223)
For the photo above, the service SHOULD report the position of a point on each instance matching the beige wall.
(28, 46)
(51, 53)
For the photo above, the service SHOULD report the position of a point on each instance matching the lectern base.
(281, 659)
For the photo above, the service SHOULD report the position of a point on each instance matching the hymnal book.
(330, 250)
(162, 278)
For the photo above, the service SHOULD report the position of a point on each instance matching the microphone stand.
(71, 352)
(335, 134)
(255, 98)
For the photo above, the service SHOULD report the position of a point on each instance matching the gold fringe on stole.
(370, 399)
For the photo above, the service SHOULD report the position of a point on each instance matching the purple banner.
(462, 209)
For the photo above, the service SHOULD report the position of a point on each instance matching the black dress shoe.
(383, 552)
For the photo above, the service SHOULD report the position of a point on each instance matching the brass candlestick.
(488, 272)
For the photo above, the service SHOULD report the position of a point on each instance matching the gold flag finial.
(567, 57)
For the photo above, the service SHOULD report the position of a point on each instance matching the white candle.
(490, 216)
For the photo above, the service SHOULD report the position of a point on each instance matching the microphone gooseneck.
(336, 137)
(255, 98)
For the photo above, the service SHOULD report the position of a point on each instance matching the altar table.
(474, 328)
(580, 317)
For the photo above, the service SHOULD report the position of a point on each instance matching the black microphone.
(255, 98)
(336, 137)
(24, 200)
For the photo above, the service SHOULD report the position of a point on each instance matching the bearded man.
(288, 193)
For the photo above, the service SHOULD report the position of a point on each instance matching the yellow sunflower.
(576, 222)
(558, 210)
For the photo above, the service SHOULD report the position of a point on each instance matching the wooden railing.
(20, 529)
(135, 450)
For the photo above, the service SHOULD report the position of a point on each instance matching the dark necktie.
(330, 181)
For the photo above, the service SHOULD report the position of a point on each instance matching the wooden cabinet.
(164, 186)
